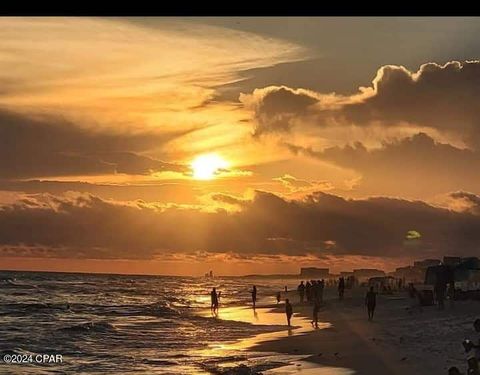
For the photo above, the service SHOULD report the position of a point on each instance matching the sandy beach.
(398, 341)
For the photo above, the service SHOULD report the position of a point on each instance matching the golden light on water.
(206, 167)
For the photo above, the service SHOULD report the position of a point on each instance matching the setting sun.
(205, 167)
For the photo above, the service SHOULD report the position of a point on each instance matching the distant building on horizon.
(314, 272)
(209, 274)
(451, 261)
(411, 274)
(427, 263)
(363, 274)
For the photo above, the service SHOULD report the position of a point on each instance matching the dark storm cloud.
(172, 192)
(277, 107)
(443, 97)
(438, 96)
(50, 146)
(80, 226)
(411, 166)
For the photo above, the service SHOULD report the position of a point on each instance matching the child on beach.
(288, 311)
(316, 309)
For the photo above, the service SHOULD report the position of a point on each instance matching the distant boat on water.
(209, 275)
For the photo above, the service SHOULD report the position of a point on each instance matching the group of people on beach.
(312, 290)
(473, 355)
(215, 299)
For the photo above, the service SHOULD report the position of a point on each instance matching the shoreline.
(398, 341)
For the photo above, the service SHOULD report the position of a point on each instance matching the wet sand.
(343, 348)
(272, 345)
(398, 341)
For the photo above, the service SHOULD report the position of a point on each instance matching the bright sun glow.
(205, 167)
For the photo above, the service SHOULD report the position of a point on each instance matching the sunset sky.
(238, 145)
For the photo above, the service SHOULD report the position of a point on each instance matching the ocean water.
(129, 324)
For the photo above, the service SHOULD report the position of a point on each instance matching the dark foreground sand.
(398, 341)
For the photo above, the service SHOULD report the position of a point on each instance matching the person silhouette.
(321, 289)
(214, 301)
(301, 291)
(440, 290)
(279, 297)
(316, 309)
(254, 296)
(308, 291)
(370, 302)
(341, 288)
(288, 311)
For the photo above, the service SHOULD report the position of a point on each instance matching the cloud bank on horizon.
(320, 224)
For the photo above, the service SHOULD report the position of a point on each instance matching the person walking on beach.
(370, 302)
(416, 298)
(316, 309)
(254, 296)
(341, 288)
(301, 291)
(214, 300)
(288, 311)
(451, 294)
(321, 289)
(308, 290)
(279, 297)
(440, 289)
(314, 290)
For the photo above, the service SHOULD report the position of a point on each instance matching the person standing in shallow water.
(254, 295)
(214, 300)
(288, 311)
(370, 302)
